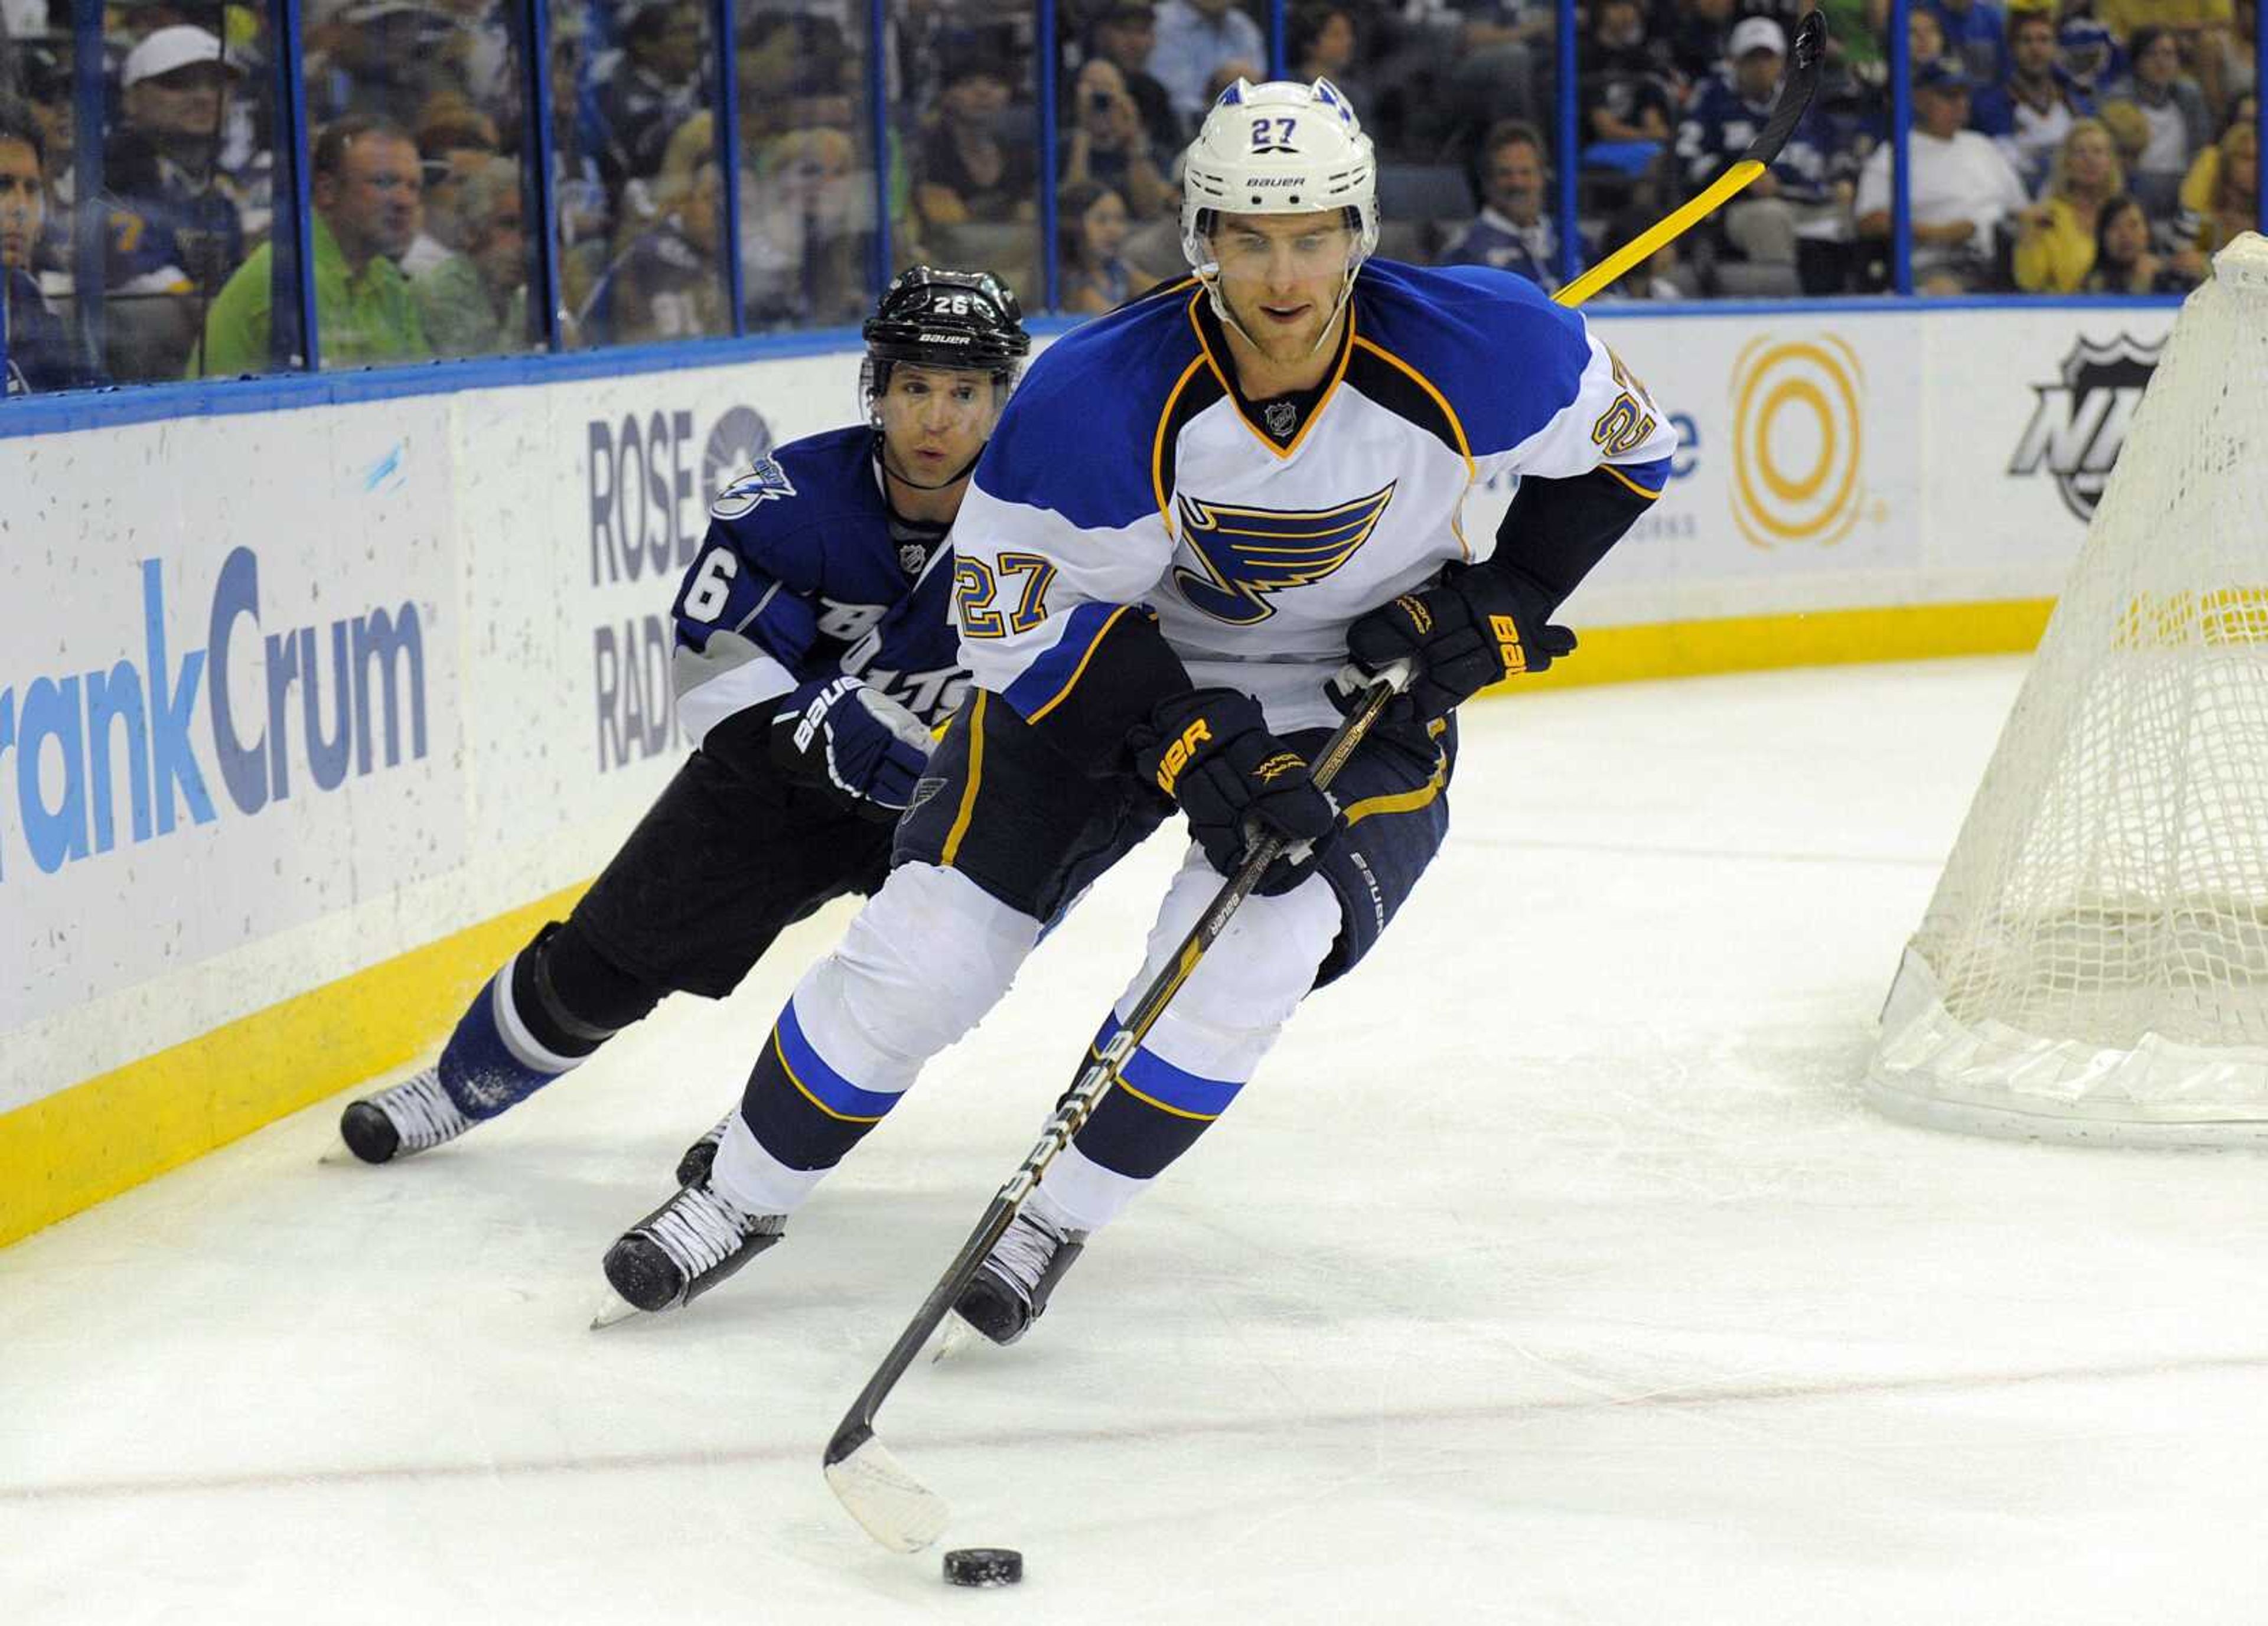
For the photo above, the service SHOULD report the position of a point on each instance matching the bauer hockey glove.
(1475, 626)
(1211, 751)
(851, 741)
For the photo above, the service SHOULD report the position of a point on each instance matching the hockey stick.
(1798, 84)
(896, 1508)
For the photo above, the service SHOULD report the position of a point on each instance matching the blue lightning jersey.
(1126, 472)
(806, 574)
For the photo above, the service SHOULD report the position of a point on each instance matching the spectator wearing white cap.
(175, 230)
(1763, 223)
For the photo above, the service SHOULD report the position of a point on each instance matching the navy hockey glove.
(1477, 627)
(1211, 751)
(852, 741)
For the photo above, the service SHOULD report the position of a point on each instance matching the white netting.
(2094, 963)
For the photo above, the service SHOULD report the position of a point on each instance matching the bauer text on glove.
(1211, 751)
(1475, 626)
(850, 740)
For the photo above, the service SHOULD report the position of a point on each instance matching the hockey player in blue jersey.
(816, 650)
(1195, 514)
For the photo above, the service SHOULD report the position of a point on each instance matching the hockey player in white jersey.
(1197, 511)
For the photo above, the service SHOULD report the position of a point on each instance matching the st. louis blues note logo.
(1249, 553)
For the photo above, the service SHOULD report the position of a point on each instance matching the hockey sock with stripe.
(520, 1034)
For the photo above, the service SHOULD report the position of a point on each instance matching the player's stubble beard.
(1289, 358)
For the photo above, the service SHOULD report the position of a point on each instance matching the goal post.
(2093, 964)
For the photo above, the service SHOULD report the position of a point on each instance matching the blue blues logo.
(1249, 553)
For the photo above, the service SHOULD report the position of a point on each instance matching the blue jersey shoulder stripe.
(1041, 686)
(1090, 403)
(1648, 480)
(1502, 359)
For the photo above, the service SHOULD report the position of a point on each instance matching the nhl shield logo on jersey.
(2078, 426)
(1249, 553)
(765, 483)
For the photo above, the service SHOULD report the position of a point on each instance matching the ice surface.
(1552, 1271)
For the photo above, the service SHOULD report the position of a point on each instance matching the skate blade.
(613, 1312)
(957, 1338)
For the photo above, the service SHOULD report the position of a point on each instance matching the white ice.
(1552, 1271)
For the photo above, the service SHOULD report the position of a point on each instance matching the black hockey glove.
(1475, 626)
(852, 741)
(1211, 751)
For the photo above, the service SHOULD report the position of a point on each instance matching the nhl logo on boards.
(2079, 426)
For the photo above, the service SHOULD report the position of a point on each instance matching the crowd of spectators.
(2058, 145)
(1459, 100)
(421, 169)
(2042, 130)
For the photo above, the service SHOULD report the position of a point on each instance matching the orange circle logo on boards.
(1797, 440)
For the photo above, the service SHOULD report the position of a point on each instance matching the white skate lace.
(422, 1113)
(700, 1230)
(1025, 1250)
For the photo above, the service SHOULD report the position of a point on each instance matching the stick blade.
(892, 1506)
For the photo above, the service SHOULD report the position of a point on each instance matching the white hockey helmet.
(1281, 148)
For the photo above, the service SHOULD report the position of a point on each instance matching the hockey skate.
(414, 1115)
(1014, 1284)
(684, 1248)
(701, 1157)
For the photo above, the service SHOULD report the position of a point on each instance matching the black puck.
(984, 1566)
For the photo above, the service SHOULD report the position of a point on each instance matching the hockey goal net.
(2094, 963)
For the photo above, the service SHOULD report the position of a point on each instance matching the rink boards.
(308, 717)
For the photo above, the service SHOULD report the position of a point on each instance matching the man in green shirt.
(364, 181)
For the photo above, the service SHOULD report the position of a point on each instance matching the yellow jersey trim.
(1158, 440)
(1464, 441)
(1401, 801)
(968, 791)
(1632, 484)
(1079, 670)
(1330, 388)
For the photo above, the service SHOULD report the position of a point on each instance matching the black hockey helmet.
(929, 318)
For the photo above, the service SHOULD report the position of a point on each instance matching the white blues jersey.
(1126, 473)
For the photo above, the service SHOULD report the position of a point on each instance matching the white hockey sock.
(754, 1180)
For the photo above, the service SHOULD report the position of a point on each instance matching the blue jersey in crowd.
(36, 350)
(1719, 127)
